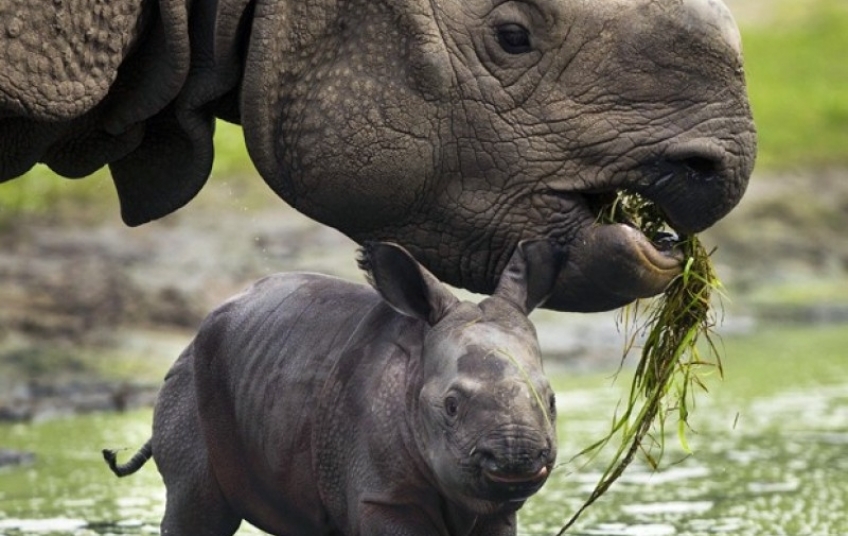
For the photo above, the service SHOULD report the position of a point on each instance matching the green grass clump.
(671, 363)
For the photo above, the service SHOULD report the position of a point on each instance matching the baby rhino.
(309, 406)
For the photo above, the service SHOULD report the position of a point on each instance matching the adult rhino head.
(455, 128)
(460, 128)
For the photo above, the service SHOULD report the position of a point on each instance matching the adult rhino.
(313, 406)
(456, 128)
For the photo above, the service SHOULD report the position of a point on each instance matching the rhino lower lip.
(664, 241)
(661, 253)
(503, 478)
(611, 264)
(595, 203)
(664, 251)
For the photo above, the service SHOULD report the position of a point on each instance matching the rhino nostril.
(483, 455)
(701, 167)
(698, 160)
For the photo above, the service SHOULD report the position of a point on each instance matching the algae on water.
(672, 359)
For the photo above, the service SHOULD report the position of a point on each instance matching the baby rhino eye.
(514, 38)
(451, 406)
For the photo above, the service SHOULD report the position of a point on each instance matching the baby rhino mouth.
(519, 484)
(515, 479)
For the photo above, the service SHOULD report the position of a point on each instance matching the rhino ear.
(403, 283)
(529, 277)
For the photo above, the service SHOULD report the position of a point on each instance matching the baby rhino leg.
(195, 505)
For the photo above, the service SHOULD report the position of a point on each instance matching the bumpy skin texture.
(310, 405)
(454, 128)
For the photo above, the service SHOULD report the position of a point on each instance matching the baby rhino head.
(484, 418)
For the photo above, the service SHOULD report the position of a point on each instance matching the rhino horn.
(529, 277)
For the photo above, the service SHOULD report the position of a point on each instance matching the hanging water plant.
(674, 332)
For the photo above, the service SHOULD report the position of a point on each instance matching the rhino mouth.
(611, 264)
(659, 246)
(513, 486)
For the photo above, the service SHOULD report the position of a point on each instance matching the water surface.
(770, 458)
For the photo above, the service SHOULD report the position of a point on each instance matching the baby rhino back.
(260, 362)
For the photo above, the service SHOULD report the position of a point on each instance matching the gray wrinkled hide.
(310, 405)
(454, 128)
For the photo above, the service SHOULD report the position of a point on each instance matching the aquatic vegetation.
(671, 364)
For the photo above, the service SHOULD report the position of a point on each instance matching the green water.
(770, 457)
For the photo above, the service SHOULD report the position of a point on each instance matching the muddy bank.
(788, 227)
(40, 400)
(70, 291)
(80, 283)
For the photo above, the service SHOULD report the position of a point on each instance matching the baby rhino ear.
(403, 283)
(529, 277)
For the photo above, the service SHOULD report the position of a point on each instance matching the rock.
(9, 458)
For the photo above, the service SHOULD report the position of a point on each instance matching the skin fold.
(456, 129)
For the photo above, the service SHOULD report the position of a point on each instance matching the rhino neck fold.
(413, 427)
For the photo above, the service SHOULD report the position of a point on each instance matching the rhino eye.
(514, 38)
(552, 406)
(451, 406)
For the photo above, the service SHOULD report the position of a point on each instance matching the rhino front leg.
(381, 519)
(196, 507)
(498, 525)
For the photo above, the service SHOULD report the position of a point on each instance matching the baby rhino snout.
(520, 463)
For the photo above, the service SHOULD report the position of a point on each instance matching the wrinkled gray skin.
(455, 128)
(311, 405)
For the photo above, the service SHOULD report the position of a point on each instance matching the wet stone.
(15, 457)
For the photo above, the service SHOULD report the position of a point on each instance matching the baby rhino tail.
(135, 463)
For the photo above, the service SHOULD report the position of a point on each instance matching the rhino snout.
(695, 183)
(520, 469)
(514, 466)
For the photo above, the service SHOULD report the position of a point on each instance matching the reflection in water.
(781, 470)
